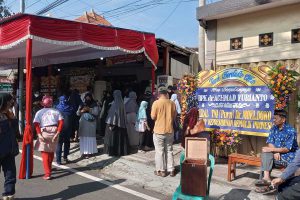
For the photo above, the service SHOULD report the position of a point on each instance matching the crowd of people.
(130, 123)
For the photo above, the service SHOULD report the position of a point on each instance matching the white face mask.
(36, 94)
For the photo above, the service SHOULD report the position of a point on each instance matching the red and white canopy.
(59, 41)
(43, 41)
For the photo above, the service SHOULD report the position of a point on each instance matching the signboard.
(122, 59)
(6, 87)
(164, 80)
(236, 99)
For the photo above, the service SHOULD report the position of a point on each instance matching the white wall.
(280, 21)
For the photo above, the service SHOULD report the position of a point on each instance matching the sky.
(172, 20)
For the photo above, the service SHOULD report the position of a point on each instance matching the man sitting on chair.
(282, 145)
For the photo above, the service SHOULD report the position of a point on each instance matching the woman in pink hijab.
(48, 123)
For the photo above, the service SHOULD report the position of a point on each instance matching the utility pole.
(22, 6)
(202, 36)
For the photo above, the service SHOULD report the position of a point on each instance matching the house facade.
(251, 33)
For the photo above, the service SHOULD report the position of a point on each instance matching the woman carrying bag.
(141, 125)
(48, 123)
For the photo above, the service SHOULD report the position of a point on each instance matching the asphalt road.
(74, 182)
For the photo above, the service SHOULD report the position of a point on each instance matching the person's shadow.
(75, 191)
(236, 194)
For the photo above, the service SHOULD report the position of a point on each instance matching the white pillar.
(201, 49)
(20, 94)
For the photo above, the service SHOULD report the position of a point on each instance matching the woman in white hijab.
(116, 138)
(131, 108)
(174, 98)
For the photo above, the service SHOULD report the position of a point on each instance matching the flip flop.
(265, 189)
(262, 182)
(157, 173)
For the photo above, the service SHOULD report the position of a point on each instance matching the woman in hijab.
(116, 138)
(87, 126)
(192, 125)
(8, 146)
(106, 103)
(148, 138)
(131, 108)
(142, 124)
(66, 110)
(176, 122)
(48, 124)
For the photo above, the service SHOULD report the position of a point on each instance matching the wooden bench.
(240, 158)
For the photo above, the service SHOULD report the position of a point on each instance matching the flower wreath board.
(238, 99)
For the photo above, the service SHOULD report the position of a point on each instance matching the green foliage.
(4, 10)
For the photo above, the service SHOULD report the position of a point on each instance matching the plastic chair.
(179, 195)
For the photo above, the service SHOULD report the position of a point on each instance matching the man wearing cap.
(163, 112)
(280, 151)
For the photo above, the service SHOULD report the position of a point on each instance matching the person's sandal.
(163, 174)
(262, 189)
(157, 173)
(262, 182)
(265, 189)
(173, 173)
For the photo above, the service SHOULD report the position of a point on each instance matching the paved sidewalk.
(137, 169)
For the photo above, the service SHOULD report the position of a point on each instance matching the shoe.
(157, 173)
(58, 163)
(146, 148)
(173, 173)
(46, 177)
(66, 160)
(9, 197)
(160, 173)
(163, 174)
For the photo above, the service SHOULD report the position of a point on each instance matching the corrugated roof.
(93, 18)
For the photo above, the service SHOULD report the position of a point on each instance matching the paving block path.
(138, 169)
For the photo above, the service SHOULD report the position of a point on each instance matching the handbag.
(198, 128)
(36, 144)
(140, 126)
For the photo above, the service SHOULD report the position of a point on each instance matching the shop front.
(47, 42)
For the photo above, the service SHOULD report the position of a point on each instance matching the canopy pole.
(153, 79)
(26, 167)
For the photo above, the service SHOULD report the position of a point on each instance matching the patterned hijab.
(116, 114)
(191, 119)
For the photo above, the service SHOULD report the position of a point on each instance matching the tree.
(4, 10)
